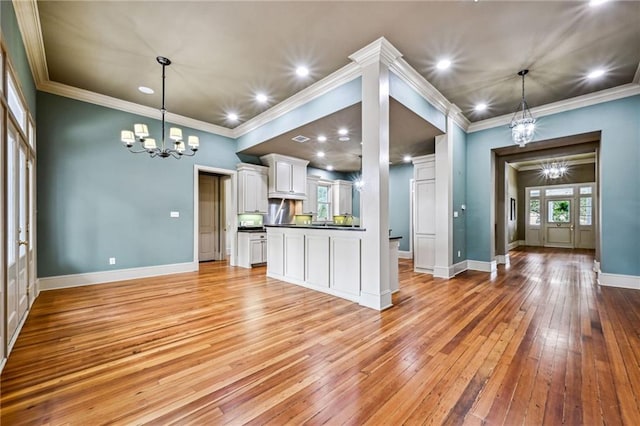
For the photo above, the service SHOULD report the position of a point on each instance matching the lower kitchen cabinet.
(252, 248)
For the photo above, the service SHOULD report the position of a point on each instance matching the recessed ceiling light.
(146, 90)
(595, 74)
(406, 158)
(343, 131)
(232, 116)
(302, 71)
(329, 167)
(594, 3)
(480, 107)
(320, 154)
(444, 64)
(344, 138)
(322, 138)
(261, 97)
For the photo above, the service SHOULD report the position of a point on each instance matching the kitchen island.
(322, 258)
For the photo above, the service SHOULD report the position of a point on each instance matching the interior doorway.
(214, 214)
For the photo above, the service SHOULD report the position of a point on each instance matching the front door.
(558, 223)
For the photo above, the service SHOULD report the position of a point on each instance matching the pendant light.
(522, 127)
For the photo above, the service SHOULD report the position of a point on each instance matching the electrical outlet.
(174, 214)
(458, 253)
(112, 261)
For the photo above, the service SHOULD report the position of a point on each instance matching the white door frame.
(234, 209)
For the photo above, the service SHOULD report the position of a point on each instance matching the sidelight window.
(586, 210)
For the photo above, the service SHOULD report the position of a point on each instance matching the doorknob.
(23, 242)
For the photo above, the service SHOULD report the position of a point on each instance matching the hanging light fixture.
(554, 170)
(358, 183)
(140, 133)
(522, 128)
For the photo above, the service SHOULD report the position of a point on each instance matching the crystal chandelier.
(554, 170)
(141, 133)
(522, 128)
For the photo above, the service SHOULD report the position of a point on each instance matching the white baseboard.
(515, 244)
(449, 271)
(379, 302)
(460, 267)
(502, 259)
(77, 280)
(616, 280)
(405, 254)
(477, 265)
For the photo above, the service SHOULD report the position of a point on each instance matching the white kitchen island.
(326, 259)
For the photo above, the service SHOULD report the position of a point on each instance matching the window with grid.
(324, 203)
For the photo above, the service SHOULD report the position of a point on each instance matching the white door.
(209, 218)
(558, 222)
(17, 236)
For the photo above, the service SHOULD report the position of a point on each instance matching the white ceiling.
(224, 52)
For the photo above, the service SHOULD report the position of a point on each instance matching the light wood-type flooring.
(537, 343)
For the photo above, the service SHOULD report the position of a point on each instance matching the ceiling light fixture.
(343, 131)
(554, 170)
(344, 138)
(595, 74)
(330, 167)
(594, 3)
(443, 64)
(320, 154)
(232, 116)
(262, 98)
(146, 90)
(480, 107)
(406, 158)
(522, 128)
(322, 138)
(302, 71)
(141, 133)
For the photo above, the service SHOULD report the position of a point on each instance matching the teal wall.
(339, 98)
(96, 200)
(459, 174)
(405, 94)
(399, 198)
(619, 122)
(15, 48)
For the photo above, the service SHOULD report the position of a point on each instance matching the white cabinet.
(342, 197)
(252, 248)
(424, 229)
(287, 176)
(252, 189)
(310, 205)
(316, 271)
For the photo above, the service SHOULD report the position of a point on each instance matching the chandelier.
(522, 128)
(141, 133)
(554, 170)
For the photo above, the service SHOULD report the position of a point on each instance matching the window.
(585, 190)
(534, 193)
(15, 104)
(558, 211)
(534, 212)
(585, 210)
(324, 202)
(558, 191)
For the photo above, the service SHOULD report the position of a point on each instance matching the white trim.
(378, 302)
(403, 254)
(443, 272)
(636, 77)
(596, 266)
(332, 81)
(133, 108)
(617, 280)
(28, 19)
(502, 259)
(77, 280)
(379, 50)
(460, 267)
(477, 265)
(606, 95)
(515, 244)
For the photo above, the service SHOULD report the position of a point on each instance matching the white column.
(374, 60)
(443, 267)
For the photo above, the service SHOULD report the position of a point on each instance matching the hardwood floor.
(538, 343)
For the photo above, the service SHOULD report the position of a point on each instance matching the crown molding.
(133, 108)
(332, 81)
(612, 94)
(381, 50)
(30, 29)
(636, 77)
(456, 114)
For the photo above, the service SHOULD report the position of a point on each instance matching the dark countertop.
(394, 238)
(328, 227)
(252, 230)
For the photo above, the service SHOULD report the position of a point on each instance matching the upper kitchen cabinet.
(342, 197)
(252, 189)
(310, 205)
(287, 176)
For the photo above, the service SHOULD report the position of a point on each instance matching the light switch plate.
(455, 214)
(175, 214)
